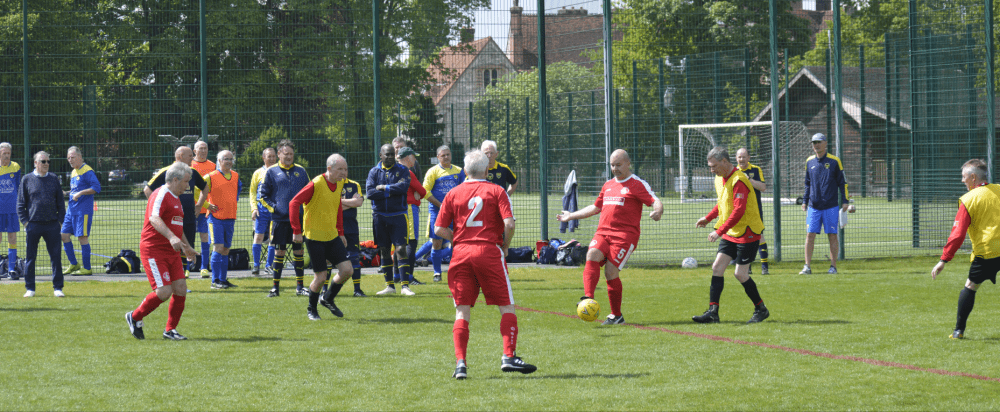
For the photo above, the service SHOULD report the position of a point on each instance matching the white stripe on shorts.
(506, 275)
(631, 248)
(157, 276)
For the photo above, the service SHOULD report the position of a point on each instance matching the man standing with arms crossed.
(162, 239)
(196, 188)
(386, 186)
(979, 218)
(498, 173)
(438, 181)
(281, 183)
(10, 180)
(756, 177)
(322, 224)
(83, 185)
(824, 179)
(260, 216)
(203, 167)
(481, 214)
(223, 187)
(739, 226)
(408, 157)
(620, 205)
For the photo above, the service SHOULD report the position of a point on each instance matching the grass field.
(878, 229)
(872, 338)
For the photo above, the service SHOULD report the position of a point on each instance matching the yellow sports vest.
(983, 205)
(751, 217)
(319, 222)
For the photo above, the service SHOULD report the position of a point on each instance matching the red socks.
(176, 309)
(148, 305)
(461, 335)
(591, 274)
(508, 329)
(615, 296)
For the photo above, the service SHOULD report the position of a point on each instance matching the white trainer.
(29, 294)
(406, 291)
(58, 293)
(389, 290)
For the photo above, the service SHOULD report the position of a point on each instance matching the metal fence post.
(914, 184)
(527, 145)
(663, 143)
(489, 120)
(635, 110)
(887, 49)
(468, 145)
(202, 41)
(507, 129)
(775, 115)
(451, 120)
(861, 123)
(990, 92)
(608, 86)
(26, 93)
(377, 79)
(839, 107)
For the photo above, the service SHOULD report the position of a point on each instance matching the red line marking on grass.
(874, 362)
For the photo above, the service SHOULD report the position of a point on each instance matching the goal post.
(695, 182)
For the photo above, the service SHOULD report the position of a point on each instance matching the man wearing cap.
(824, 181)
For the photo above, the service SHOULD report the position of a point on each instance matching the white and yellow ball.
(588, 310)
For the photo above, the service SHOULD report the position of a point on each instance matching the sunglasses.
(43, 161)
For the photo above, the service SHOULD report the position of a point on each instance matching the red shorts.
(476, 266)
(162, 268)
(615, 249)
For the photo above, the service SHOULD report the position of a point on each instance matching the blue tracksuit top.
(392, 200)
(824, 178)
(280, 185)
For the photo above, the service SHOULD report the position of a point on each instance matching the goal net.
(696, 182)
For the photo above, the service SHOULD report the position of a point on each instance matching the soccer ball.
(588, 310)
(689, 263)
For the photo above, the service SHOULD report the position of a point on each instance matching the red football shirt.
(478, 209)
(621, 206)
(167, 206)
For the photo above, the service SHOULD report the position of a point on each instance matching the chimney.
(466, 34)
(516, 41)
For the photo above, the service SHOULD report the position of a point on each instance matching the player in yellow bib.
(977, 216)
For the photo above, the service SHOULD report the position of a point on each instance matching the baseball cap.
(819, 137)
(406, 151)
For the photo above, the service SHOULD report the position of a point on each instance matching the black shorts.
(354, 249)
(742, 253)
(281, 233)
(321, 251)
(984, 269)
(389, 231)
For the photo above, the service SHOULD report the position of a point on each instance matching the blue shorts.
(413, 218)
(77, 225)
(827, 218)
(263, 223)
(202, 223)
(389, 230)
(221, 231)
(430, 226)
(9, 223)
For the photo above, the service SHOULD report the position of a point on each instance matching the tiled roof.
(453, 62)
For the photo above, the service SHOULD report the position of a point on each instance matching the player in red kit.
(620, 205)
(162, 239)
(483, 227)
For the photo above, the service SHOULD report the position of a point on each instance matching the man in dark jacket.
(40, 209)
(386, 187)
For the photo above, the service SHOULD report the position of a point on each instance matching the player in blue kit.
(438, 181)
(83, 185)
(10, 179)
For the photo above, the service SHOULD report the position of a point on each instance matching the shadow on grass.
(37, 310)
(583, 376)
(743, 322)
(249, 339)
(528, 280)
(405, 321)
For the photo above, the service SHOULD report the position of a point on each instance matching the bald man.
(223, 187)
(620, 204)
(196, 188)
(756, 176)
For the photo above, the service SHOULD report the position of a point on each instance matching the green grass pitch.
(873, 338)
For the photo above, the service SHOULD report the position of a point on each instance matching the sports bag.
(126, 262)
(239, 259)
(519, 254)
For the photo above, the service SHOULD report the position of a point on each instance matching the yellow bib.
(983, 204)
(319, 222)
(725, 192)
